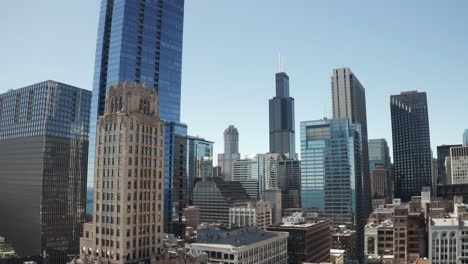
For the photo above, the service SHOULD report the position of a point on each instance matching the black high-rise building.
(411, 144)
(43, 158)
(442, 153)
(282, 135)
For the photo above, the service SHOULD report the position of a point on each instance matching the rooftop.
(234, 237)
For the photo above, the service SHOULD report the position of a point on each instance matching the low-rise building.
(346, 239)
(243, 245)
(250, 214)
(307, 241)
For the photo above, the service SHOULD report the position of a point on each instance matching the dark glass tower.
(411, 144)
(43, 156)
(140, 41)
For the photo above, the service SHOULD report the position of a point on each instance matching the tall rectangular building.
(442, 153)
(282, 131)
(459, 165)
(411, 144)
(349, 101)
(199, 162)
(379, 154)
(231, 152)
(129, 183)
(44, 132)
(139, 42)
(465, 138)
(331, 170)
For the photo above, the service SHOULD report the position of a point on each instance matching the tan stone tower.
(129, 179)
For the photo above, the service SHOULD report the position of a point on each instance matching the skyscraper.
(459, 165)
(282, 135)
(349, 101)
(231, 152)
(379, 153)
(43, 156)
(442, 153)
(199, 162)
(331, 172)
(139, 42)
(128, 184)
(411, 144)
(465, 138)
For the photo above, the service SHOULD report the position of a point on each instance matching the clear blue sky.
(230, 58)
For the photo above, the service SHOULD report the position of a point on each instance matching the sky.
(230, 56)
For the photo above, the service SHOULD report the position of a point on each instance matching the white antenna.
(279, 61)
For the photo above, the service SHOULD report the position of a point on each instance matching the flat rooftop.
(234, 237)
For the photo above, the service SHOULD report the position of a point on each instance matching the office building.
(141, 42)
(331, 174)
(274, 197)
(231, 152)
(346, 239)
(379, 154)
(349, 101)
(459, 165)
(199, 162)
(256, 213)
(442, 153)
(465, 138)
(128, 182)
(175, 184)
(44, 132)
(411, 144)
(245, 171)
(307, 241)
(289, 181)
(243, 245)
(379, 182)
(214, 196)
(282, 125)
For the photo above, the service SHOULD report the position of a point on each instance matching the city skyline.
(409, 62)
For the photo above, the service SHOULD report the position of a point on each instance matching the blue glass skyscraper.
(140, 41)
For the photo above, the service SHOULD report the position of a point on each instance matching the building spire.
(280, 62)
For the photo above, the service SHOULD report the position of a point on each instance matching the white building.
(448, 237)
(251, 214)
(239, 246)
(459, 165)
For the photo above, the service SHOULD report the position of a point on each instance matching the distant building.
(379, 154)
(273, 196)
(281, 111)
(250, 214)
(451, 190)
(379, 182)
(44, 135)
(6, 250)
(289, 181)
(411, 144)
(245, 171)
(307, 241)
(214, 197)
(217, 171)
(199, 162)
(192, 216)
(129, 146)
(465, 138)
(459, 165)
(442, 153)
(231, 152)
(243, 245)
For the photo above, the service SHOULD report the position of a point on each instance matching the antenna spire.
(280, 62)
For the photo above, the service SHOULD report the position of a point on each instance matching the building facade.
(199, 162)
(141, 42)
(245, 171)
(465, 137)
(282, 128)
(256, 213)
(244, 245)
(411, 144)
(349, 101)
(379, 154)
(231, 152)
(443, 152)
(289, 181)
(129, 183)
(214, 197)
(459, 165)
(307, 242)
(44, 131)
(379, 182)
(331, 174)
